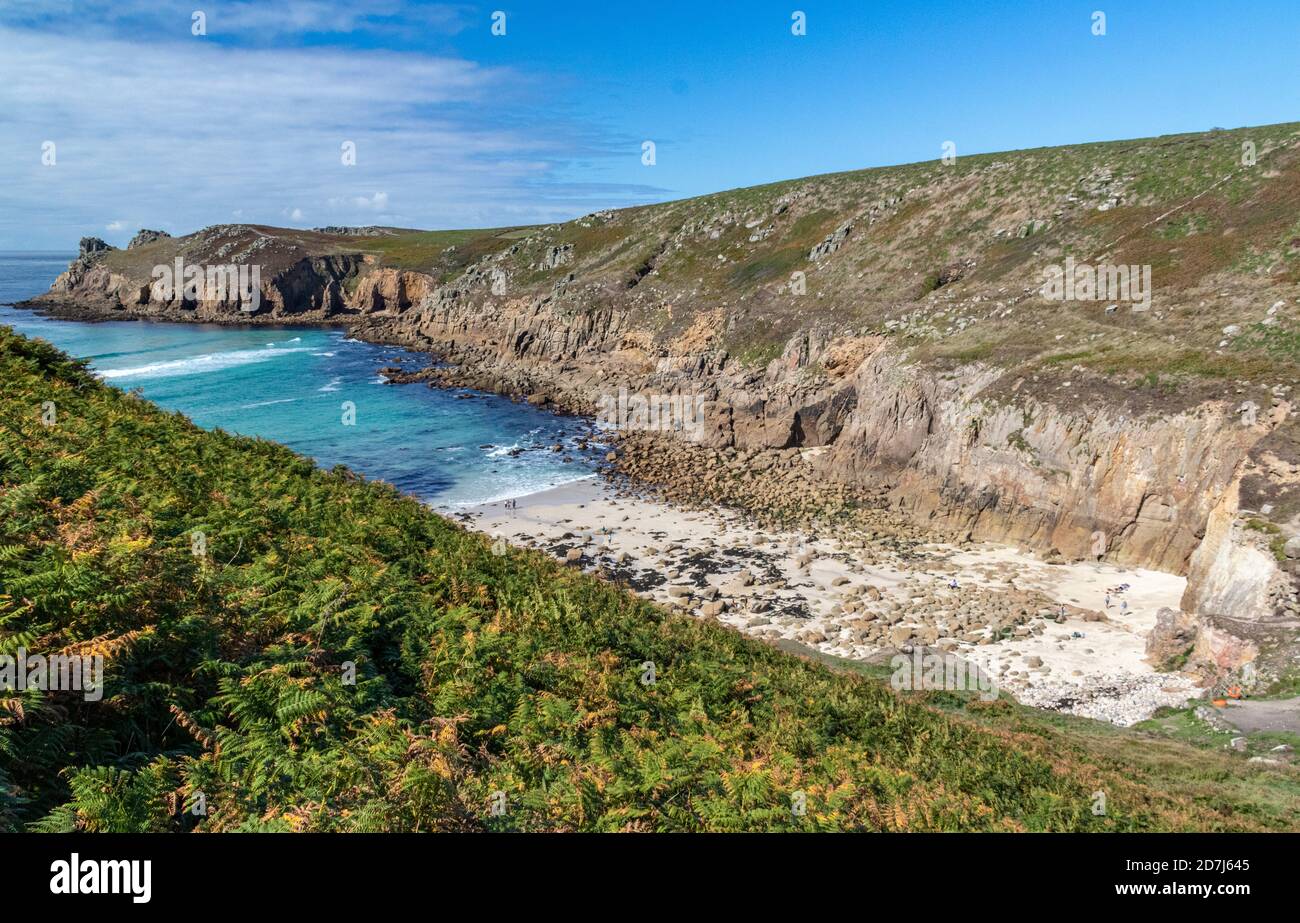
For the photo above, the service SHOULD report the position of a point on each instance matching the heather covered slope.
(476, 673)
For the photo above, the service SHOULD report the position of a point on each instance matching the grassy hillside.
(475, 673)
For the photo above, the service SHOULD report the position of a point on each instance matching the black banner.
(141, 874)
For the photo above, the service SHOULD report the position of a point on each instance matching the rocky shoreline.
(1030, 626)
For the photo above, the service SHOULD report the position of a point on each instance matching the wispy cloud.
(181, 132)
(244, 22)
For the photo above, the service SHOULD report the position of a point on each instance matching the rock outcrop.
(145, 236)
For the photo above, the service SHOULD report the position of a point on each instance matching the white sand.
(1088, 667)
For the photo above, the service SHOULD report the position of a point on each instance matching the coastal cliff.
(884, 332)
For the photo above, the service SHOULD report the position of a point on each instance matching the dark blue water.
(291, 385)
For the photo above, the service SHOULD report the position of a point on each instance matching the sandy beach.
(1069, 637)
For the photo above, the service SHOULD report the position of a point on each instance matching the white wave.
(502, 450)
(197, 365)
(332, 386)
(523, 490)
(283, 400)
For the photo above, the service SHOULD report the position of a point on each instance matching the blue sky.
(456, 127)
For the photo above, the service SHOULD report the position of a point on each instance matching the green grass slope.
(475, 673)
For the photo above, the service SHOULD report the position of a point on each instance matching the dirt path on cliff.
(1251, 716)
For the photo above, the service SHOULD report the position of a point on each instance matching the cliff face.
(891, 325)
(310, 288)
(1041, 473)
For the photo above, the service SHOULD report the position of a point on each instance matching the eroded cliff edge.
(886, 331)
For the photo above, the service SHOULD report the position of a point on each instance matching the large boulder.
(1171, 640)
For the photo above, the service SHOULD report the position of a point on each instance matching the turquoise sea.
(291, 384)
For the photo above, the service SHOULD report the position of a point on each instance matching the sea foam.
(197, 365)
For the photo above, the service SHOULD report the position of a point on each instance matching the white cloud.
(115, 226)
(375, 203)
(250, 20)
(184, 133)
